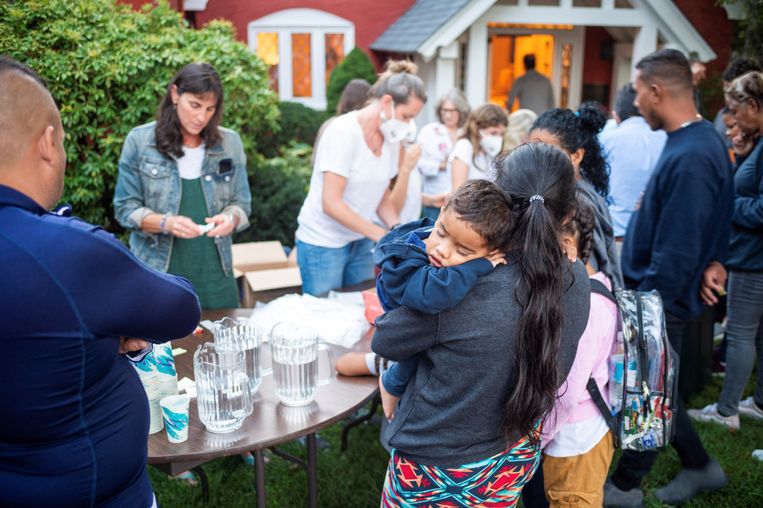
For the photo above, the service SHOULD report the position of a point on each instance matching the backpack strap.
(596, 396)
(599, 288)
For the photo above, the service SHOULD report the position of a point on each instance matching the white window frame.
(310, 21)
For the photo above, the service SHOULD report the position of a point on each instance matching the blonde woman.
(518, 131)
(473, 155)
(357, 157)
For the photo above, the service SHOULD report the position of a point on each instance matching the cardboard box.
(264, 272)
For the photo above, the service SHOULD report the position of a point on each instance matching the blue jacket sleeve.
(686, 212)
(117, 295)
(411, 281)
(432, 290)
(748, 211)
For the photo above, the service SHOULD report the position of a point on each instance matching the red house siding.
(371, 19)
(713, 24)
(597, 63)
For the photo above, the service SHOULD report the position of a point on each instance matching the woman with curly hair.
(576, 134)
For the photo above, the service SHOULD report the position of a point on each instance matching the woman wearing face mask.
(357, 157)
(576, 134)
(473, 155)
(182, 188)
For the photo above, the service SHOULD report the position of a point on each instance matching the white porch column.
(428, 74)
(445, 70)
(476, 65)
(644, 43)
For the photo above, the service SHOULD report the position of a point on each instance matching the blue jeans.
(744, 335)
(326, 268)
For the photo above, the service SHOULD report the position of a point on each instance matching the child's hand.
(497, 258)
(389, 402)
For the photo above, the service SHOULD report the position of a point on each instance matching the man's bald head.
(26, 110)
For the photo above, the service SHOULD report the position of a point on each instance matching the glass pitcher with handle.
(222, 388)
(295, 349)
(242, 335)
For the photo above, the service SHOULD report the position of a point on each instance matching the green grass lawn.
(354, 479)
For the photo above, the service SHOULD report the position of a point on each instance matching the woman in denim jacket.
(182, 188)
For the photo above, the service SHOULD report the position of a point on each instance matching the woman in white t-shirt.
(473, 155)
(356, 159)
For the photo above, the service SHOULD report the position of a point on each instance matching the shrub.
(279, 186)
(356, 65)
(298, 123)
(108, 67)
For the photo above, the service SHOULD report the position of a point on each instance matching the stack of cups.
(149, 376)
(165, 367)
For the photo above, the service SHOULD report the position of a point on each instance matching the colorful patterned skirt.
(495, 481)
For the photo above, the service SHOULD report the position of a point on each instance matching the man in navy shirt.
(74, 423)
(675, 243)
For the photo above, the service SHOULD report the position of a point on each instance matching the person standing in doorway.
(675, 243)
(533, 89)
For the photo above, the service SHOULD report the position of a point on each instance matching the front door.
(506, 62)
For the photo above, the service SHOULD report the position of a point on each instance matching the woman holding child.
(466, 429)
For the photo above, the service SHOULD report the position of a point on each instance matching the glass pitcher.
(222, 388)
(295, 363)
(242, 335)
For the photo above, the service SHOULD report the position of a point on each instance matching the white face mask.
(411, 137)
(393, 130)
(491, 144)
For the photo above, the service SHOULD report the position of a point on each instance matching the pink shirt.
(574, 404)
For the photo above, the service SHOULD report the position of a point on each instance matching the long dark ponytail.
(580, 130)
(541, 182)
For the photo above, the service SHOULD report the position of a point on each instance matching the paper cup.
(175, 413)
(153, 393)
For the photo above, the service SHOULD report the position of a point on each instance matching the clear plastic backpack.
(643, 370)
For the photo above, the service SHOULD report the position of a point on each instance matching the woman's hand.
(182, 227)
(224, 225)
(410, 158)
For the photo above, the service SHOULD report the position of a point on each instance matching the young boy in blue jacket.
(431, 267)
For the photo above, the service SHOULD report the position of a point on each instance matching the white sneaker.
(748, 407)
(710, 414)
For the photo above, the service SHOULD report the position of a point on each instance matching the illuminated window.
(301, 47)
(301, 73)
(267, 50)
(334, 52)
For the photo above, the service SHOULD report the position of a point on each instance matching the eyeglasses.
(448, 110)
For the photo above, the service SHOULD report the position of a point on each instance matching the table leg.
(259, 471)
(358, 421)
(312, 471)
(204, 482)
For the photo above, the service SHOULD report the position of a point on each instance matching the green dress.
(197, 259)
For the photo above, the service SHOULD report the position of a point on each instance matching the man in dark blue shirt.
(74, 423)
(676, 242)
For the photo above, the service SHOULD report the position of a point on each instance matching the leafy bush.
(108, 67)
(356, 65)
(297, 123)
(279, 186)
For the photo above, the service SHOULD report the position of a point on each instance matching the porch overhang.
(671, 24)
